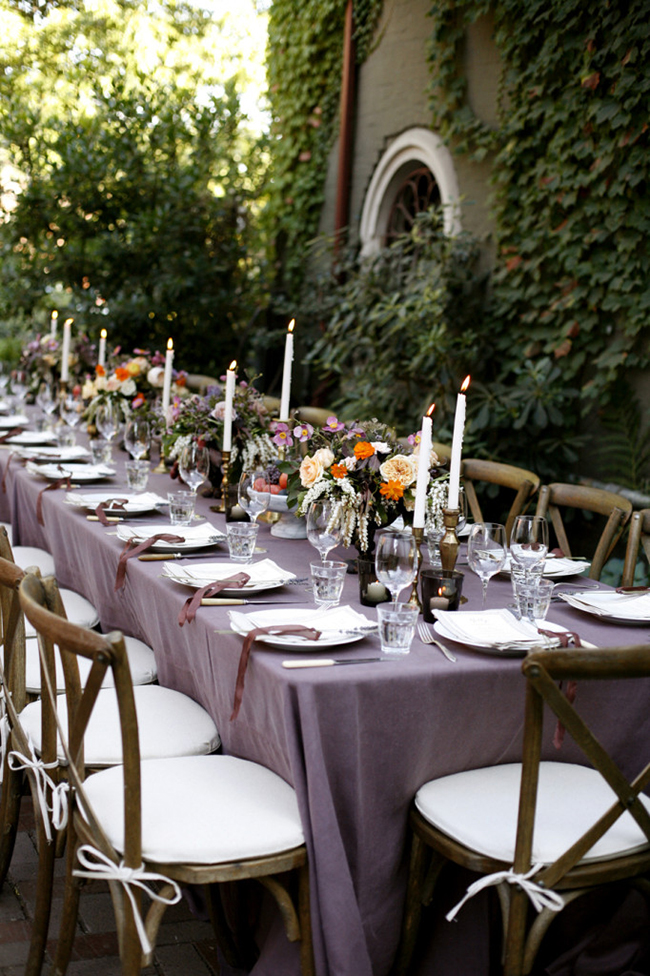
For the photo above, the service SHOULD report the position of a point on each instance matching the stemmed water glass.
(137, 437)
(194, 465)
(254, 492)
(46, 399)
(396, 560)
(529, 542)
(107, 420)
(324, 526)
(71, 408)
(19, 383)
(486, 552)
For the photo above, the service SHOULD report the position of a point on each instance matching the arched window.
(416, 171)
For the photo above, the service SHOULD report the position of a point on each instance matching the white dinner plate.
(54, 453)
(15, 420)
(622, 608)
(27, 438)
(556, 567)
(495, 632)
(194, 536)
(340, 625)
(135, 504)
(265, 575)
(76, 472)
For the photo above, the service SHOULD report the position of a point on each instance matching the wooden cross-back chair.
(615, 508)
(524, 483)
(582, 826)
(639, 537)
(186, 820)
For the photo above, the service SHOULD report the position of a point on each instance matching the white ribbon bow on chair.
(53, 816)
(540, 897)
(103, 869)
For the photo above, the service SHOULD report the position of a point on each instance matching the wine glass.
(529, 542)
(253, 492)
(486, 552)
(396, 561)
(19, 383)
(107, 420)
(46, 398)
(194, 465)
(71, 409)
(137, 437)
(324, 526)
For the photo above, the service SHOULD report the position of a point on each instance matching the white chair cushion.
(78, 610)
(27, 556)
(169, 723)
(223, 809)
(479, 809)
(142, 663)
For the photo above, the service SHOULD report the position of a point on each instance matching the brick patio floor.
(185, 945)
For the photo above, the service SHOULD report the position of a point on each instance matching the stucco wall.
(392, 96)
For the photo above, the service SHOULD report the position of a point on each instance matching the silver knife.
(328, 662)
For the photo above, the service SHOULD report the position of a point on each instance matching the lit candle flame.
(431, 409)
(465, 384)
(441, 591)
(68, 322)
(55, 314)
(291, 325)
(233, 365)
(103, 334)
(170, 344)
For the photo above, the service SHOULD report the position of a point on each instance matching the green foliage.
(135, 178)
(399, 326)
(304, 62)
(571, 197)
(623, 449)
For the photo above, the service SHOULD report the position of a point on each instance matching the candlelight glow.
(103, 334)
(431, 409)
(465, 384)
(233, 365)
(68, 322)
(170, 344)
(55, 314)
(291, 325)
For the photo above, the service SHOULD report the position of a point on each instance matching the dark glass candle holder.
(441, 590)
(371, 591)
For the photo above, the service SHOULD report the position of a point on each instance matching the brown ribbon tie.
(133, 548)
(192, 604)
(310, 632)
(10, 433)
(4, 477)
(53, 487)
(115, 504)
(567, 638)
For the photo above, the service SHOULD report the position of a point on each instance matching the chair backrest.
(523, 482)
(639, 536)
(13, 632)
(543, 670)
(41, 604)
(615, 508)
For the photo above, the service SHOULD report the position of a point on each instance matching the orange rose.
(339, 470)
(392, 490)
(100, 371)
(122, 374)
(363, 450)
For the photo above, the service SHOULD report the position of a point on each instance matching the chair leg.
(220, 925)
(307, 963)
(43, 905)
(413, 907)
(516, 934)
(10, 798)
(70, 910)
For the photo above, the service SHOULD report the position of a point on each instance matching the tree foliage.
(134, 173)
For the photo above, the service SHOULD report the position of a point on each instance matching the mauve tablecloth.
(356, 743)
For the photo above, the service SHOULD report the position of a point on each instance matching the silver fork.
(425, 635)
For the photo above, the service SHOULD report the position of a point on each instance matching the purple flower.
(303, 432)
(333, 425)
(415, 438)
(282, 436)
(355, 432)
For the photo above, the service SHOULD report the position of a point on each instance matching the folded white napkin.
(608, 603)
(28, 437)
(82, 472)
(54, 453)
(196, 535)
(490, 628)
(15, 420)
(144, 501)
(265, 571)
(333, 621)
(557, 566)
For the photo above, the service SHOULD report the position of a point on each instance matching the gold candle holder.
(414, 599)
(161, 467)
(449, 543)
(225, 479)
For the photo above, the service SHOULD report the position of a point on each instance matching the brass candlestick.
(414, 599)
(161, 468)
(449, 543)
(225, 479)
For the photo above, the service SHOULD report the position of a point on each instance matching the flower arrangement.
(361, 466)
(41, 358)
(201, 417)
(134, 383)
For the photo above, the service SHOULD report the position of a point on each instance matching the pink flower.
(282, 436)
(333, 425)
(415, 438)
(303, 433)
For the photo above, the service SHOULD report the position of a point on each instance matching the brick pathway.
(185, 945)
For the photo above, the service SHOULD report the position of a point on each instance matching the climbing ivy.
(304, 62)
(571, 181)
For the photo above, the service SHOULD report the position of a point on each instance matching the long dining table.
(355, 742)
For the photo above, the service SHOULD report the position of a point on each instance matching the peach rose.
(325, 456)
(401, 468)
(311, 469)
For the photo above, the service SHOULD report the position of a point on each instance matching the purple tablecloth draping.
(355, 742)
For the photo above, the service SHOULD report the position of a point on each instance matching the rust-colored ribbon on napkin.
(310, 632)
(53, 487)
(192, 604)
(115, 504)
(133, 548)
(10, 433)
(4, 477)
(567, 639)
